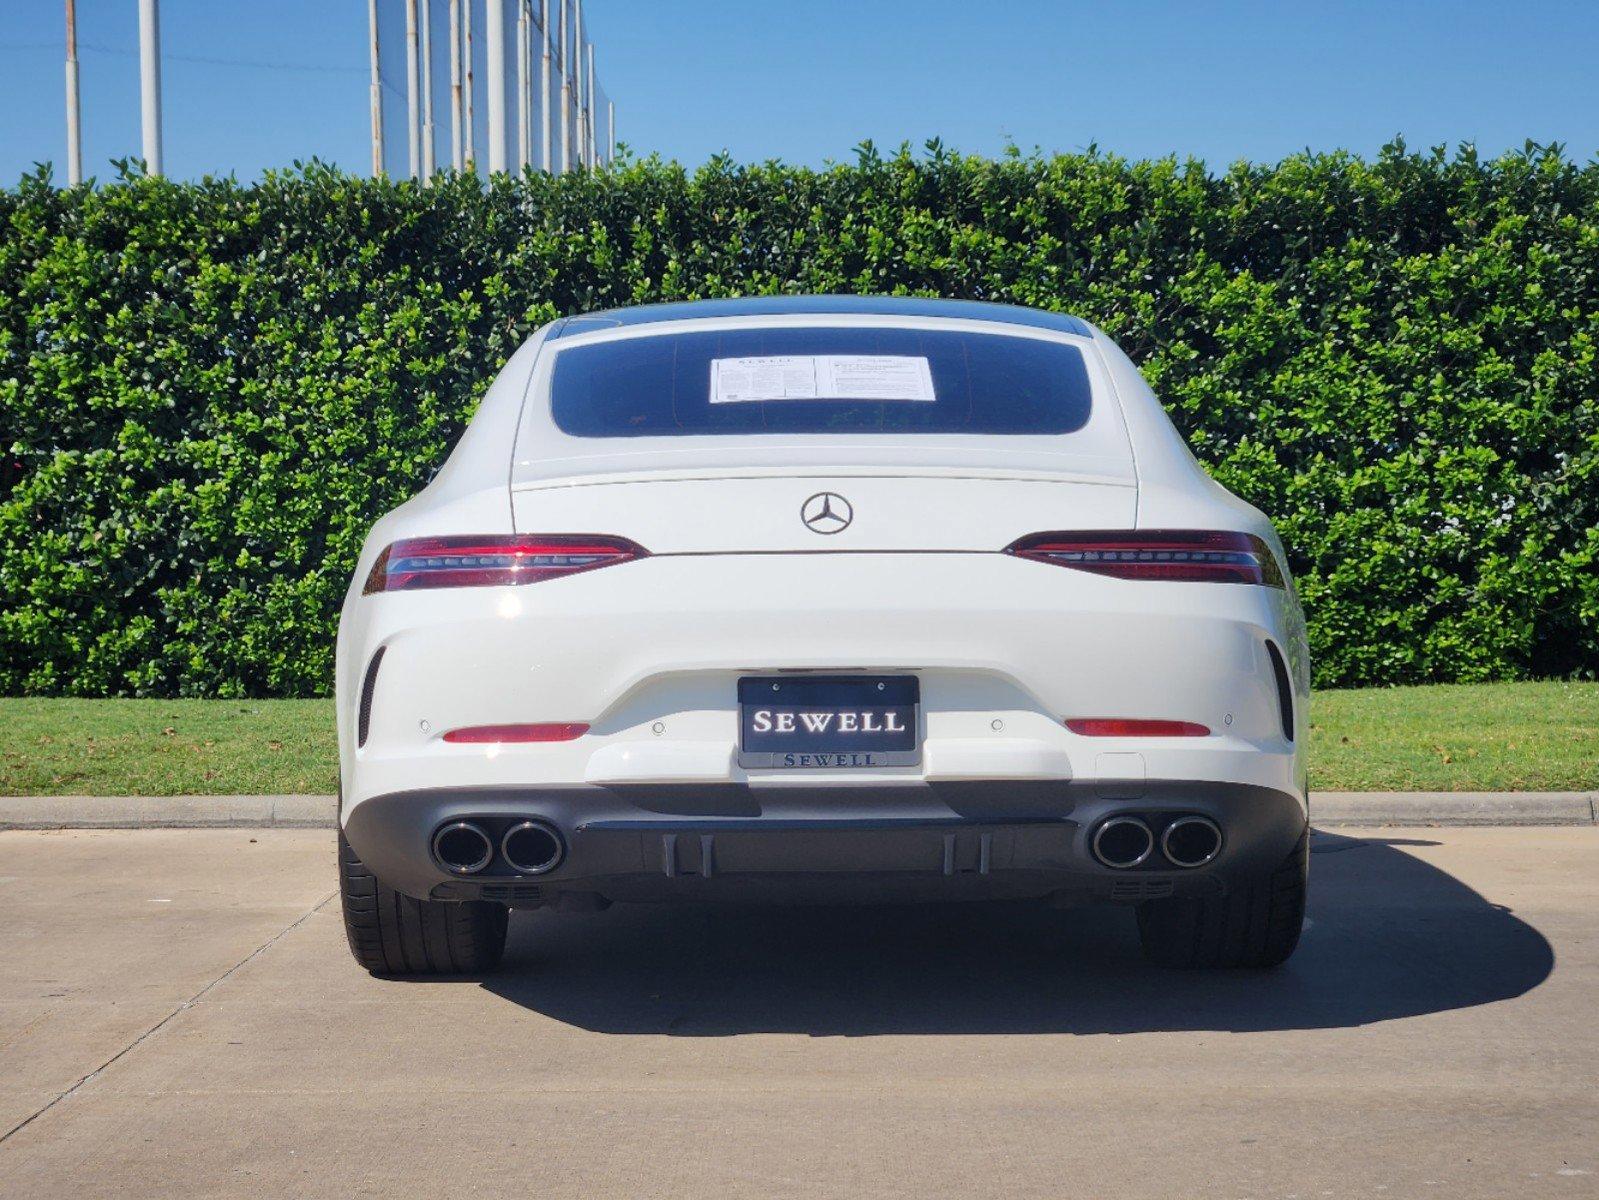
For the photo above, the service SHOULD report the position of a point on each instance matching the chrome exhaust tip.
(1122, 843)
(533, 847)
(462, 848)
(1191, 841)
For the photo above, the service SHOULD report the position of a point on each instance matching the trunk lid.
(813, 511)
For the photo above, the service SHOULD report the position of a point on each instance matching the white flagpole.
(588, 122)
(74, 126)
(610, 121)
(413, 132)
(377, 92)
(457, 156)
(582, 81)
(495, 31)
(524, 88)
(544, 87)
(428, 147)
(470, 142)
(150, 82)
(566, 88)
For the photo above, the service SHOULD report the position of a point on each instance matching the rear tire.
(1256, 924)
(392, 934)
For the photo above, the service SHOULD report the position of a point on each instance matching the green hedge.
(208, 391)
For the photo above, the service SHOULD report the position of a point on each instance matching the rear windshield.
(792, 380)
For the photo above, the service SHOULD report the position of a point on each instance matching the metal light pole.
(377, 92)
(495, 32)
(610, 121)
(150, 83)
(74, 131)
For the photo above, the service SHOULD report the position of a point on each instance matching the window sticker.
(788, 377)
(821, 377)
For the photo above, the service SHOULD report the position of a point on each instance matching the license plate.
(826, 722)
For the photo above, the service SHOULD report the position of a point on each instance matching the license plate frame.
(888, 705)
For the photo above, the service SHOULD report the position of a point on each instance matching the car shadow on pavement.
(1388, 936)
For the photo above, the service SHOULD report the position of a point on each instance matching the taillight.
(1175, 555)
(1134, 727)
(493, 560)
(494, 734)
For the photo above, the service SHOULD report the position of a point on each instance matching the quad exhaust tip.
(1123, 843)
(532, 847)
(462, 847)
(1191, 841)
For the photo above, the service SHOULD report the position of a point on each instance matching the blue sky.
(805, 80)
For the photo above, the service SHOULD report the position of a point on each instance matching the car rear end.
(824, 606)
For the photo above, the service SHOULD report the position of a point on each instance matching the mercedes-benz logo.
(827, 512)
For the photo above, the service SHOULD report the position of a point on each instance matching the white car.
(821, 599)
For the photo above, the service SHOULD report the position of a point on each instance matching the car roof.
(761, 306)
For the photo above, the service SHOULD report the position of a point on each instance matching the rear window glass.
(790, 380)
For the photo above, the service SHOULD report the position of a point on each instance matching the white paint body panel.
(648, 653)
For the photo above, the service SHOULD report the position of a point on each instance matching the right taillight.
(1134, 727)
(1174, 555)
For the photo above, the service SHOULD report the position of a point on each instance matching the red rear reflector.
(1174, 555)
(493, 560)
(1127, 727)
(517, 733)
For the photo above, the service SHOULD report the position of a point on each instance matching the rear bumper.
(649, 655)
(971, 839)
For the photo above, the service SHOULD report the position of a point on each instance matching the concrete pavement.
(179, 1016)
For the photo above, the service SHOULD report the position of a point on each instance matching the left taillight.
(1171, 555)
(493, 560)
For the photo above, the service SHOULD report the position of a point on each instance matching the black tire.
(1256, 924)
(392, 934)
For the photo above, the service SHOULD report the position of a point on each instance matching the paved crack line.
(164, 1021)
